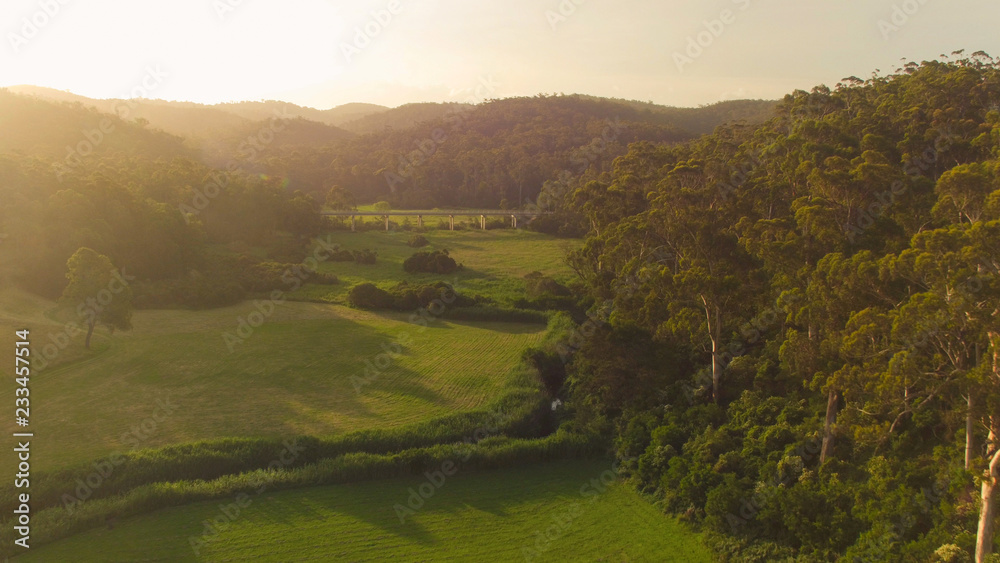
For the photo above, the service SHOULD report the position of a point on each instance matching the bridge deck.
(435, 213)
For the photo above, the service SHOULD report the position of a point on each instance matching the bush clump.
(543, 293)
(433, 262)
(418, 241)
(226, 280)
(364, 256)
(406, 297)
(369, 296)
(539, 285)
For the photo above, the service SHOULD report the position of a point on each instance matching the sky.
(391, 52)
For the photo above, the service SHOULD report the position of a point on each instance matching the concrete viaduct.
(482, 214)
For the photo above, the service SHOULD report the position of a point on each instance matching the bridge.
(482, 214)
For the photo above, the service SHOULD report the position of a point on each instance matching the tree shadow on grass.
(505, 327)
(372, 503)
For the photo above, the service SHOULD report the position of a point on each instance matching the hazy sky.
(310, 52)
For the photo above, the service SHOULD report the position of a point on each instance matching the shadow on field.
(505, 327)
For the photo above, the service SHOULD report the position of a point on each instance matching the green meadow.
(494, 261)
(315, 367)
(550, 512)
(294, 375)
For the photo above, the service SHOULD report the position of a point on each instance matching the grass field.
(182, 376)
(495, 262)
(291, 376)
(480, 516)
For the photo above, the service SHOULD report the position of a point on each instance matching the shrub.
(561, 224)
(342, 256)
(550, 368)
(405, 297)
(546, 294)
(269, 276)
(418, 241)
(287, 249)
(365, 256)
(411, 297)
(538, 286)
(368, 296)
(434, 262)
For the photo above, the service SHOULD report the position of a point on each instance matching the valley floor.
(552, 512)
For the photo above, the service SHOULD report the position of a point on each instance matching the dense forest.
(497, 154)
(181, 194)
(796, 334)
(802, 352)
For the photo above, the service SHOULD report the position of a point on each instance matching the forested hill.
(496, 153)
(208, 123)
(402, 117)
(806, 320)
(703, 119)
(424, 155)
(64, 132)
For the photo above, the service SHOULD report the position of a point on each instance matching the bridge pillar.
(420, 221)
(482, 222)
(386, 217)
(353, 227)
(451, 222)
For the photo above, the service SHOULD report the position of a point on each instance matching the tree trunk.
(831, 419)
(713, 335)
(970, 427)
(716, 371)
(90, 332)
(987, 513)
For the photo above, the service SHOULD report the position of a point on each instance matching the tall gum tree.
(98, 292)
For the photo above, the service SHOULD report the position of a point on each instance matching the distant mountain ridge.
(189, 119)
(499, 152)
(202, 122)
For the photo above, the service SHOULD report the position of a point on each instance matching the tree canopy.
(826, 284)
